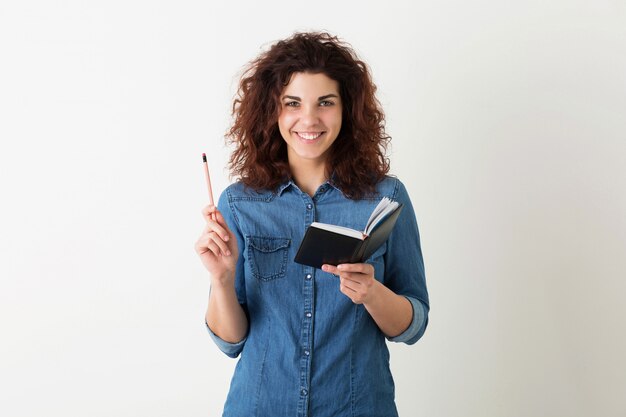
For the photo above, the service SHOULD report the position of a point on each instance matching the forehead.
(303, 83)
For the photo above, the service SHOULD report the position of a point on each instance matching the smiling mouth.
(309, 135)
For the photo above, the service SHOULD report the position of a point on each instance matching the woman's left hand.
(356, 281)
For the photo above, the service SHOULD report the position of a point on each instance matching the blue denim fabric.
(309, 350)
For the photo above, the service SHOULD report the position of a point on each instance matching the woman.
(309, 146)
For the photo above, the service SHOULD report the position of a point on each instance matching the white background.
(508, 121)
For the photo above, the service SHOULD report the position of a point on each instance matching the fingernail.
(227, 253)
(225, 237)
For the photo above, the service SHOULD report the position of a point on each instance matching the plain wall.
(509, 129)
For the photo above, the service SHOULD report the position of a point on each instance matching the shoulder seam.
(396, 186)
(231, 208)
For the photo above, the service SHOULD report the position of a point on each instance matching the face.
(310, 116)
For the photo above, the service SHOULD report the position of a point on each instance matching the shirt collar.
(289, 182)
(282, 187)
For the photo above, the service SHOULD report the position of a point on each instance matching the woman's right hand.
(217, 248)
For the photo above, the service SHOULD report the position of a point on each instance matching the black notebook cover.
(321, 246)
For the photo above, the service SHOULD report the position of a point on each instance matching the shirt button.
(308, 276)
(309, 206)
(308, 314)
(307, 353)
(304, 392)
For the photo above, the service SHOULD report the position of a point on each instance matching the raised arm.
(218, 250)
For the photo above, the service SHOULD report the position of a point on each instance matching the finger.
(354, 279)
(210, 212)
(206, 244)
(349, 292)
(210, 236)
(199, 247)
(202, 245)
(331, 269)
(206, 210)
(215, 249)
(213, 216)
(214, 227)
(360, 268)
(217, 240)
(218, 216)
(348, 284)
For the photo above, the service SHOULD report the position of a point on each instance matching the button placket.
(307, 321)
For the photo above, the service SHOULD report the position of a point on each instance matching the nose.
(309, 115)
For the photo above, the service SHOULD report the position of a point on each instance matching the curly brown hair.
(357, 159)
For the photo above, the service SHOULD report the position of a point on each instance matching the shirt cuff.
(416, 329)
(230, 349)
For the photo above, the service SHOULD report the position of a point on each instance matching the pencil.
(208, 182)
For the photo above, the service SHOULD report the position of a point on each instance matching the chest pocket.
(267, 256)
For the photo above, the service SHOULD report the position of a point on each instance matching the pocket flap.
(268, 244)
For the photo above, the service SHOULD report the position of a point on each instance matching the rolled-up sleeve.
(417, 327)
(404, 267)
(232, 349)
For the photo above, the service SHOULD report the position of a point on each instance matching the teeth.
(309, 136)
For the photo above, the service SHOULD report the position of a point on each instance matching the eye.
(326, 103)
(292, 104)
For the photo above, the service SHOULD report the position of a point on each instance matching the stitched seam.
(396, 186)
(352, 384)
(260, 380)
(232, 210)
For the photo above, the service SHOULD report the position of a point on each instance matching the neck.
(309, 176)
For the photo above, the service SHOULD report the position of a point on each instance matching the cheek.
(285, 121)
(281, 126)
(333, 119)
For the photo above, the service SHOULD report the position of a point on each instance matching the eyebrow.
(319, 98)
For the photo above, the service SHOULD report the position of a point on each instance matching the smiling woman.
(309, 122)
(309, 146)
(358, 157)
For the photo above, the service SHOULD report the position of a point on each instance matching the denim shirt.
(309, 350)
